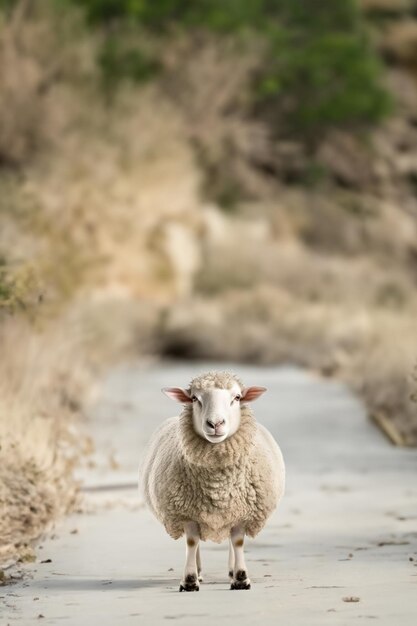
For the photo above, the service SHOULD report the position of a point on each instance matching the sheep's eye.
(237, 398)
(194, 399)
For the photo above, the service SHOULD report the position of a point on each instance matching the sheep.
(213, 473)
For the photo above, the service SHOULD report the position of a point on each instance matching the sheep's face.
(216, 412)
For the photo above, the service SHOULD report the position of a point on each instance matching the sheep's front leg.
(240, 578)
(190, 579)
(199, 574)
(231, 559)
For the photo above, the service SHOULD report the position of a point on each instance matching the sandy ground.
(346, 529)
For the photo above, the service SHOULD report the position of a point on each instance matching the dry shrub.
(39, 52)
(116, 327)
(43, 384)
(339, 223)
(208, 79)
(382, 375)
(116, 211)
(263, 325)
(232, 260)
(387, 6)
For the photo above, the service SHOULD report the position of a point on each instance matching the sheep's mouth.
(215, 437)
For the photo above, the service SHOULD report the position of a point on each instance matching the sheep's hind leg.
(231, 560)
(240, 574)
(190, 578)
(199, 574)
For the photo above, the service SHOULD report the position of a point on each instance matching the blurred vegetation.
(319, 70)
(316, 71)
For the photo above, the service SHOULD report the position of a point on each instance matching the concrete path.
(346, 529)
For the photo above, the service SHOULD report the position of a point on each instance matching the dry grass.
(109, 218)
(384, 381)
(208, 79)
(43, 385)
(38, 62)
(111, 194)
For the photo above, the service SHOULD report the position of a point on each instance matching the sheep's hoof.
(241, 581)
(200, 578)
(238, 585)
(231, 573)
(190, 583)
(189, 588)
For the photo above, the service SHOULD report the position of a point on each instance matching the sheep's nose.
(215, 425)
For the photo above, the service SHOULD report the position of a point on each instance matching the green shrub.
(319, 70)
(159, 15)
(120, 59)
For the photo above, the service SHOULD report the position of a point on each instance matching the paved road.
(347, 527)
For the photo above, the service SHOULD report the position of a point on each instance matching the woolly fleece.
(187, 478)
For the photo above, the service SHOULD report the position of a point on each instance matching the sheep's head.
(216, 399)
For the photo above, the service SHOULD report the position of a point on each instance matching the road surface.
(341, 549)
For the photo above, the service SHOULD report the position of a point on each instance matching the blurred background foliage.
(319, 69)
(220, 180)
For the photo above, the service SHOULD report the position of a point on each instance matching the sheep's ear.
(252, 393)
(177, 393)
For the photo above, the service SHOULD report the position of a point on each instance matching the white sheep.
(213, 472)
